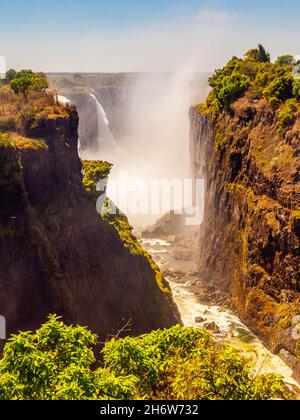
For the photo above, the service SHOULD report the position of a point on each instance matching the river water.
(181, 277)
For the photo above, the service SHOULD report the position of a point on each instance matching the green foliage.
(280, 88)
(285, 60)
(186, 363)
(5, 141)
(149, 356)
(227, 89)
(10, 75)
(26, 81)
(286, 114)
(21, 85)
(296, 89)
(220, 373)
(120, 223)
(264, 56)
(93, 172)
(254, 73)
(57, 362)
(258, 55)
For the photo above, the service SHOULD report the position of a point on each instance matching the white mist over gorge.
(154, 143)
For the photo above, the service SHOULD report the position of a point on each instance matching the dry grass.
(25, 143)
(12, 106)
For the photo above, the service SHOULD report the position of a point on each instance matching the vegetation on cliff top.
(24, 101)
(26, 81)
(57, 362)
(274, 82)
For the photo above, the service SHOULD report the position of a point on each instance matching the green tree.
(10, 75)
(55, 362)
(93, 172)
(39, 84)
(264, 56)
(26, 81)
(227, 88)
(285, 60)
(258, 54)
(22, 85)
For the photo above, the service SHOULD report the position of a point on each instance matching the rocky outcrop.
(56, 254)
(249, 241)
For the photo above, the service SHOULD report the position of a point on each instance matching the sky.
(142, 35)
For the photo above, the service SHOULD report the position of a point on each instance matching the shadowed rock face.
(57, 255)
(249, 241)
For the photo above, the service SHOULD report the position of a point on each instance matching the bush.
(296, 89)
(226, 89)
(57, 362)
(285, 60)
(280, 88)
(93, 172)
(185, 363)
(256, 74)
(286, 113)
(26, 81)
(5, 141)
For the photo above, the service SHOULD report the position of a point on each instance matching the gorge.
(231, 279)
(234, 254)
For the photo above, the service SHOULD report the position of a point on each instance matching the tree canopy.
(26, 81)
(57, 362)
(255, 73)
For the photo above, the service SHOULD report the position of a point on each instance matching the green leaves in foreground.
(57, 362)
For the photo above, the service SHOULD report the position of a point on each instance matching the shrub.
(255, 74)
(185, 363)
(285, 60)
(93, 172)
(286, 113)
(5, 141)
(280, 88)
(258, 55)
(26, 81)
(226, 89)
(57, 362)
(296, 89)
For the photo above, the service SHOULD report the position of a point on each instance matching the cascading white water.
(106, 143)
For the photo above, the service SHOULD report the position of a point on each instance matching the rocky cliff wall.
(56, 254)
(250, 239)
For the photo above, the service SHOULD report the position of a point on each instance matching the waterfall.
(106, 143)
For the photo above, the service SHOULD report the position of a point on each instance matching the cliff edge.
(56, 254)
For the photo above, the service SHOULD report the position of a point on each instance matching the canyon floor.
(204, 307)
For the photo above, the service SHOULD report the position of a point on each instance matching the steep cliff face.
(250, 238)
(56, 254)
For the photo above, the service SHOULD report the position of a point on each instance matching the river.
(228, 327)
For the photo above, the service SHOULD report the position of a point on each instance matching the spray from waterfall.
(156, 142)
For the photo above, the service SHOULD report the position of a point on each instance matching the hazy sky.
(143, 35)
